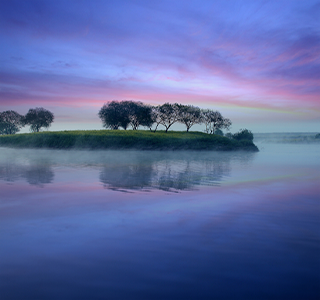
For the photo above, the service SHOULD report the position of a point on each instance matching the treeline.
(11, 122)
(116, 114)
(123, 114)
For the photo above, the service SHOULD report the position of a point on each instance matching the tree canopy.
(168, 114)
(117, 114)
(114, 115)
(10, 122)
(139, 114)
(189, 115)
(213, 120)
(37, 118)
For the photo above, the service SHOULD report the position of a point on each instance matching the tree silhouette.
(139, 114)
(114, 115)
(189, 115)
(213, 120)
(10, 122)
(168, 114)
(37, 118)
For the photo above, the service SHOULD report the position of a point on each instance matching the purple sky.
(257, 62)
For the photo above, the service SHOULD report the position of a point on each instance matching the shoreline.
(126, 139)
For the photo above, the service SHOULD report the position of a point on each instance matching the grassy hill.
(125, 139)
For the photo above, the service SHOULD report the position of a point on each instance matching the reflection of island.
(36, 174)
(125, 170)
(171, 172)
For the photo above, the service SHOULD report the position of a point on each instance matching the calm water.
(160, 225)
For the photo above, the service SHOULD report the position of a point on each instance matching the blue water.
(160, 225)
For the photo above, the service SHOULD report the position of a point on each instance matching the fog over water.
(161, 225)
(122, 170)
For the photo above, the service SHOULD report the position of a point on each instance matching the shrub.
(243, 135)
(219, 132)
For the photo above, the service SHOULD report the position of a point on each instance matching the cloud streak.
(252, 54)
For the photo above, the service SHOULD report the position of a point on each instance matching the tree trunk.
(155, 128)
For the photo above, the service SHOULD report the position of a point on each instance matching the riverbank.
(125, 139)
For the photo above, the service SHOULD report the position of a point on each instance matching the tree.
(37, 118)
(146, 116)
(155, 116)
(117, 114)
(139, 114)
(167, 115)
(243, 134)
(114, 115)
(219, 132)
(189, 115)
(213, 120)
(133, 110)
(10, 122)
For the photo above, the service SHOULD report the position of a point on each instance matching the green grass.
(125, 139)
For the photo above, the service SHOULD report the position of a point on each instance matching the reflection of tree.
(126, 170)
(9, 172)
(170, 172)
(35, 174)
(175, 176)
(215, 171)
(39, 175)
(185, 175)
(167, 182)
(121, 176)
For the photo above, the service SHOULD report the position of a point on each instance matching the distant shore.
(126, 139)
(288, 137)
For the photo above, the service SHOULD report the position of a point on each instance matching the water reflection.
(37, 174)
(172, 171)
(255, 237)
(123, 170)
(126, 176)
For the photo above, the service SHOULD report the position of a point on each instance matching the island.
(126, 139)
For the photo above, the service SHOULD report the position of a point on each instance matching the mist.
(286, 137)
(121, 170)
(123, 223)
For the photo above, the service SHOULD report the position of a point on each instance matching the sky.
(257, 62)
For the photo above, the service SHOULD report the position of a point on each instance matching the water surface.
(160, 225)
